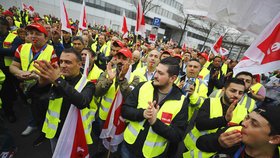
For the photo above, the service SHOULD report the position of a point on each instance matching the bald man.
(136, 55)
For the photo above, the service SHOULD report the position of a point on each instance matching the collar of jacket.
(175, 93)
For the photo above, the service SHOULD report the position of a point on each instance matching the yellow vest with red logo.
(204, 73)
(6, 44)
(154, 144)
(53, 118)
(216, 110)
(26, 57)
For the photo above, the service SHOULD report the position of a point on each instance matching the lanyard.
(239, 151)
(35, 56)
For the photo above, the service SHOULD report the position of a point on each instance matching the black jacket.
(66, 89)
(173, 133)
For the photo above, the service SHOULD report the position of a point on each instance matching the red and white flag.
(83, 17)
(217, 47)
(184, 47)
(124, 27)
(140, 21)
(264, 53)
(72, 141)
(112, 132)
(30, 8)
(64, 18)
(224, 51)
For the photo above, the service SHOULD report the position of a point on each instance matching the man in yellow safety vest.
(156, 112)
(64, 92)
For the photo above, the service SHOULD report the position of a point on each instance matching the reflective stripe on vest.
(216, 110)
(154, 144)
(94, 75)
(53, 117)
(248, 102)
(7, 44)
(25, 57)
(106, 101)
(224, 68)
(199, 102)
(216, 93)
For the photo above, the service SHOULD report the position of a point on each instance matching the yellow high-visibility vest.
(26, 56)
(6, 44)
(154, 144)
(216, 110)
(53, 118)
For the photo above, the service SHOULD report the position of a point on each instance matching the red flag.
(83, 18)
(64, 18)
(80, 148)
(184, 47)
(31, 8)
(28, 8)
(124, 27)
(217, 46)
(264, 53)
(140, 21)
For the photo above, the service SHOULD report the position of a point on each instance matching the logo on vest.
(166, 117)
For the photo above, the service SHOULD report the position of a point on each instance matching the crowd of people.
(178, 102)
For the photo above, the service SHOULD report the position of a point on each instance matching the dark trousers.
(6, 140)
(8, 93)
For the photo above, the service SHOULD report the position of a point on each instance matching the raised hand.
(230, 109)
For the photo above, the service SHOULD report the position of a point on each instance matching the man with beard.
(157, 115)
(216, 113)
(246, 100)
(108, 84)
(258, 136)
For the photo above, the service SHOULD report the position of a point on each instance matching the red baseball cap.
(167, 52)
(204, 55)
(38, 27)
(178, 56)
(119, 43)
(126, 52)
(7, 13)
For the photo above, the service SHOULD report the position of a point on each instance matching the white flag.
(264, 53)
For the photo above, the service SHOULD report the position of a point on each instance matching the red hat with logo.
(126, 52)
(204, 55)
(7, 13)
(38, 27)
